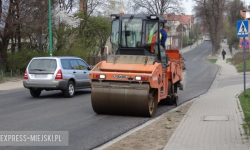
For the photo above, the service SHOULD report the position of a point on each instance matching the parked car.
(56, 73)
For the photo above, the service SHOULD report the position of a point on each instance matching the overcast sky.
(247, 2)
(188, 6)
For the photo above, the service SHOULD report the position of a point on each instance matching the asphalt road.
(87, 130)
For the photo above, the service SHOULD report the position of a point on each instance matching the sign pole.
(50, 30)
(242, 31)
(244, 57)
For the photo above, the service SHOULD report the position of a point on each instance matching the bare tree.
(1, 9)
(211, 13)
(109, 7)
(158, 6)
(232, 16)
(20, 19)
(87, 7)
(67, 5)
(7, 27)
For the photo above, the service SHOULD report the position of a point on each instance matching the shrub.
(20, 60)
(185, 41)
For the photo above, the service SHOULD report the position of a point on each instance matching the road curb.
(242, 115)
(190, 49)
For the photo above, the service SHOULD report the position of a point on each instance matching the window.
(131, 32)
(82, 65)
(115, 32)
(151, 35)
(73, 64)
(65, 63)
(43, 65)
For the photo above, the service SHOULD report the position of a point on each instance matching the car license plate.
(41, 75)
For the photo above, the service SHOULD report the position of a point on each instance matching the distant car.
(56, 73)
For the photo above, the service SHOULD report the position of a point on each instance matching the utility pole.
(197, 38)
(244, 57)
(181, 35)
(50, 30)
(190, 32)
(170, 39)
(243, 31)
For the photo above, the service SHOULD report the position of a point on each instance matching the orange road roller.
(139, 73)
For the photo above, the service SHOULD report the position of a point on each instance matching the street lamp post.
(50, 30)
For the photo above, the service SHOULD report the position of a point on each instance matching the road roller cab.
(139, 73)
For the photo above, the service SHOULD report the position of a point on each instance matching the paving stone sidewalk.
(214, 121)
(226, 68)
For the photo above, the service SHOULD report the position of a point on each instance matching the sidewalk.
(11, 85)
(214, 121)
(226, 69)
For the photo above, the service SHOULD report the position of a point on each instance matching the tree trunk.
(83, 6)
(1, 9)
(18, 26)
(5, 46)
(7, 33)
(213, 50)
(13, 44)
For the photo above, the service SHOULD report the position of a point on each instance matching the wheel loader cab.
(137, 35)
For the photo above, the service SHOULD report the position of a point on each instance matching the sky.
(247, 2)
(190, 3)
(188, 6)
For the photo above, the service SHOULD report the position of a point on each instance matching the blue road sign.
(242, 28)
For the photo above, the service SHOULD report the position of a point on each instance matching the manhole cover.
(216, 118)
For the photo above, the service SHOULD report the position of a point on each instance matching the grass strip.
(240, 67)
(228, 60)
(213, 60)
(245, 105)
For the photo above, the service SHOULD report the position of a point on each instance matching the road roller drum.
(123, 99)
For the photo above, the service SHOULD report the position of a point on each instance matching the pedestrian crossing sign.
(242, 28)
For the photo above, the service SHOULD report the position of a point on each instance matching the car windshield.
(42, 65)
(131, 32)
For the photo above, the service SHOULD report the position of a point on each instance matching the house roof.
(184, 19)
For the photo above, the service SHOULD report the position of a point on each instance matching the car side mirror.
(90, 68)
